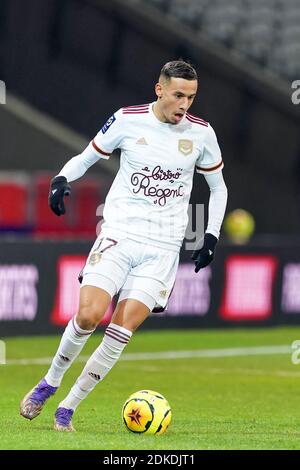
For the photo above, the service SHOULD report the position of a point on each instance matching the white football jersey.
(148, 200)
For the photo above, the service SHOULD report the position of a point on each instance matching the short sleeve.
(110, 136)
(210, 160)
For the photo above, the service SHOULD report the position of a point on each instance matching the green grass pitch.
(246, 401)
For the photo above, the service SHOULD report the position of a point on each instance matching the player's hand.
(59, 188)
(204, 256)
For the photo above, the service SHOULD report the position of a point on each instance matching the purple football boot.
(33, 402)
(63, 419)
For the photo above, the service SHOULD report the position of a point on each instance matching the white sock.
(99, 364)
(72, 342)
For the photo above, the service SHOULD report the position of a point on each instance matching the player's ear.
(158, 90)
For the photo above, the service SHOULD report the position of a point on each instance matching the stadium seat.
(45, 222)
(222, 21)
(255, 41)
(80, 220)
(189, 11)
(162, 4)
(14, 205)
(255, 28)
(86, 198)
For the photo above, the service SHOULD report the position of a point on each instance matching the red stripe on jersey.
(98, 149)
(135, 112)
(196, 118)
(210, 169)
(136, 109)
(138, 106)
(196, 122)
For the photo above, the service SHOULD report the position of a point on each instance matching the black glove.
(203, 256)
(59, 188)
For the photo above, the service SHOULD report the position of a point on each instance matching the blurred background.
(67, 66)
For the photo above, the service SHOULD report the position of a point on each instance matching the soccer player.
(145, 218)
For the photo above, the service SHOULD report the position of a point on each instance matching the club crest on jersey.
(108, 124)
(95, 257)
(185, 146)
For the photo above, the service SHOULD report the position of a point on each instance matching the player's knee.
(88, 317)
(130, 325)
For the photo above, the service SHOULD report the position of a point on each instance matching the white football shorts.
(132, 269)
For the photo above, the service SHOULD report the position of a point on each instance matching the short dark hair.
(179, 69)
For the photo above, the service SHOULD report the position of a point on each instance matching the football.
(147, 412)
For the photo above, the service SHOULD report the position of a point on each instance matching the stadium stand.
(266, 31)
(244, 53)
(14, 208)
(80, 218)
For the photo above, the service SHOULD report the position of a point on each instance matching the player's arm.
(210, 165)
(73, 169)
(107, 139)
(217, 204)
